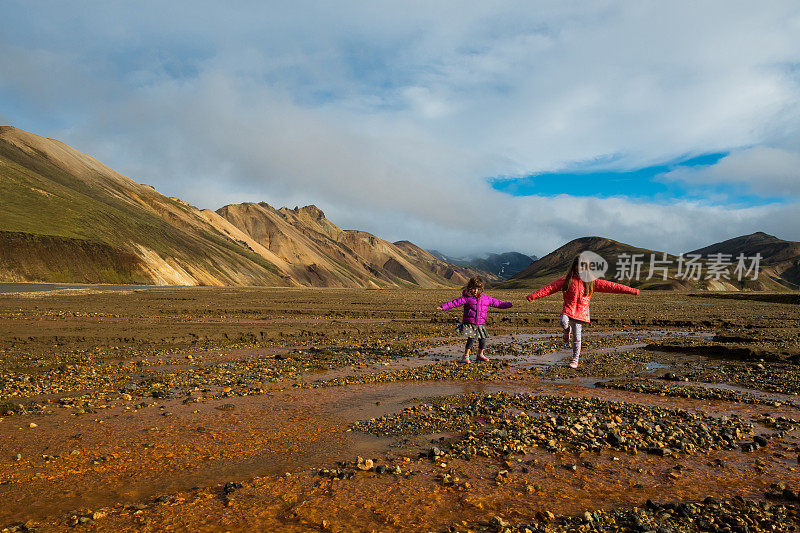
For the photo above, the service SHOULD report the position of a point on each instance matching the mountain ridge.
(66, 217)
(331, 256)
(780, 259)
(779, 268)
(772, 248)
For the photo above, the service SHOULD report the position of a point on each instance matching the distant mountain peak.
(593, 241)
(503, 265)
(311, 211)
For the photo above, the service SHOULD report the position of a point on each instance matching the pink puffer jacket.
(576, 305)
(475, 308)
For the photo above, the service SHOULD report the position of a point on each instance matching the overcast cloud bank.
(392, 117)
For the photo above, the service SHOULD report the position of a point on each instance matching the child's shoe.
(574, 363)
(482, 358)
(465, 359)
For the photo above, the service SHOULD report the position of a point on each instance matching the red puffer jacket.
(576, 305)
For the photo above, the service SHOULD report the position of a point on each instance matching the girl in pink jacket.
(577, 294)
(476, 306)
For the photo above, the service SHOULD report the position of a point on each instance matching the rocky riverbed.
(209, 409)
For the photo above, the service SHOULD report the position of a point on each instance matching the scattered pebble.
(494, 425)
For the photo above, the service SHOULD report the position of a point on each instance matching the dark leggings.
(471, 341)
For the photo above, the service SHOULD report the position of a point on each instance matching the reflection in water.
(6, 288)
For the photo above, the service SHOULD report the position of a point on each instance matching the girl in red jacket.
(577, 294)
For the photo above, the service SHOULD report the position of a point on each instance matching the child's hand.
(439, 308)
(529, 297)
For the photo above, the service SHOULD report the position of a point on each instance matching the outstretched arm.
(494, 302)
(458, 302)
(547, 290)
(603, 285)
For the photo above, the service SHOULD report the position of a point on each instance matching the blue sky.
(492, 127)
(643, 184)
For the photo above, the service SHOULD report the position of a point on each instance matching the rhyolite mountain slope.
(503, 265)
(66, 217)
(313, 250)
(778, 269)
(780, 259)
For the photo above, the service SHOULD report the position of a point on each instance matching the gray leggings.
(566, 322)
(471, 342)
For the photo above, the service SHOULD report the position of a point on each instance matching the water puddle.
(652, 366)
(528, 342)
(23, 287)
(784, 398)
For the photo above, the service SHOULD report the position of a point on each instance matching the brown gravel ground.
(85, 453)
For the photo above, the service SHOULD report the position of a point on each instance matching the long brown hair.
(474, 284)
(588, 286)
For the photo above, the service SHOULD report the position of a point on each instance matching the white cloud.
(390, 117)
(762, 170)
